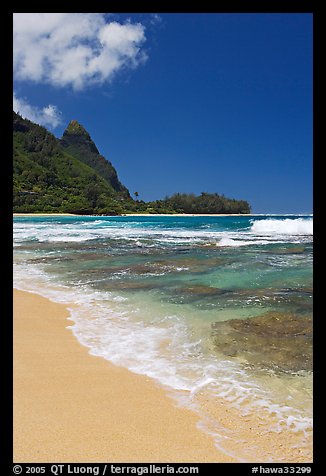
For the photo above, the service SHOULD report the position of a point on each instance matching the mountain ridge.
(69, 175)
(49, 178)
(78, 142)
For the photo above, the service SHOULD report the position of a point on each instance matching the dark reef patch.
(275, 340)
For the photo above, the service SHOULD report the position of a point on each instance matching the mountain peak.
(75, 128)
(76, 135)
(77, 142)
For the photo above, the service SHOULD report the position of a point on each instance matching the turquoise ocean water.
(207, 306)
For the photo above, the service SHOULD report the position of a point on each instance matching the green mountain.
(77, 142)
(69, 175)
(49, 178)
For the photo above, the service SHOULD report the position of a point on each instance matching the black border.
(6, 87)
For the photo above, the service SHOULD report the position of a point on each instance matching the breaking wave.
(289, 226)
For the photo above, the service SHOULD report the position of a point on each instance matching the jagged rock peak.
(74, 127)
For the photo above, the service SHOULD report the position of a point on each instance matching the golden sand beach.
(70, 406)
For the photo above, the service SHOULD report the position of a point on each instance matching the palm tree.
(136, 195)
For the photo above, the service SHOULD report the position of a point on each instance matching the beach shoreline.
(70, 406)
(153, 215)
(205, 395)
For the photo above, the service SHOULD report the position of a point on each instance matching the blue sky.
(179, 102)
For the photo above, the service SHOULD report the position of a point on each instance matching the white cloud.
(48, 116)
(74, 49)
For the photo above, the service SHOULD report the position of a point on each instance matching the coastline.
(71, 406)
(156, 215)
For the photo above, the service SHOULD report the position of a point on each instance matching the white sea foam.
(298, 226)
(226, 241)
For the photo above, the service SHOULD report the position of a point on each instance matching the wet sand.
(70, 406)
